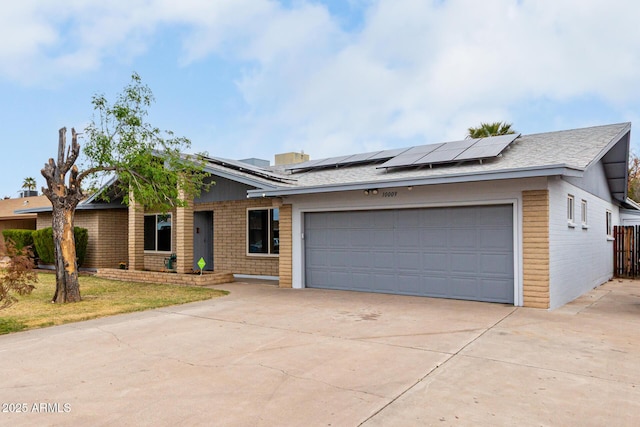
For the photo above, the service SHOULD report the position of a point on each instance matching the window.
(609, 224)
(570, 210)
(583, 211)
(263, 231)
(157, 232)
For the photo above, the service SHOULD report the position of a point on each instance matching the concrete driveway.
(265, 356)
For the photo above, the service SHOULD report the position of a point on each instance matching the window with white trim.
(570, 209)
(263, 231)
(583, 212)
(157, 232)
(609, 224)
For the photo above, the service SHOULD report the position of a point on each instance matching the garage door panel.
(318, 258)
(382, 282)
(462, 239)
(383, 258)
(408, 261)
(498, 290)
(494, 216)
(360, 238)
(435, 262)
(339, 238)
(360, 259)
(337, 258)
(496, 238)
(382, 238)
(461, 252)
(410, 284)
(495, 264)
(409, 219)
(464, 287)
(461, 217)
(407, 238)
(433, 238)
(435, 219)
(435, 286)
(466, 263)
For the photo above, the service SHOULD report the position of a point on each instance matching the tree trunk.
(64, 197)
(67, 286)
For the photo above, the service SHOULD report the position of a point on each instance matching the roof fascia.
(551, 170)
(611, 144)
(622, 162)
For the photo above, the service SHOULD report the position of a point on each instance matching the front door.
(203, 239)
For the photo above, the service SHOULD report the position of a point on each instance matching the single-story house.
(9, 219)
(517, 219)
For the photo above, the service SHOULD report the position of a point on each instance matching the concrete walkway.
(265, 356)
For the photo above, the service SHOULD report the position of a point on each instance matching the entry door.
(203, 239)
(457, 252)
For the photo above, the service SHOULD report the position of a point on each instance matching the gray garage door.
(461, 252)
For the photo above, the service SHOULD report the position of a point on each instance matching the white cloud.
(413, 70)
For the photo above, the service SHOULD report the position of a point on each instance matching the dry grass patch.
(100, 298)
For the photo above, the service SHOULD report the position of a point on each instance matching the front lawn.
(100, 297)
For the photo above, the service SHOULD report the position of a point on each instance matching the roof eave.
(532, 172)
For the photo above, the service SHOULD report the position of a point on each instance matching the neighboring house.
(9, 219)
(631, 215)
(522, 220)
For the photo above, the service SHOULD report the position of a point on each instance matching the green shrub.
(20, 238)
(82, 239)
(43, 240)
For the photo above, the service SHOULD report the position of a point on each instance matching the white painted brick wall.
(580, 259)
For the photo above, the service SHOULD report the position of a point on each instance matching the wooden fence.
(626, 251)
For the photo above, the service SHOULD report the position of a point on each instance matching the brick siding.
(535, 248)
(107, 243)
(230, 238)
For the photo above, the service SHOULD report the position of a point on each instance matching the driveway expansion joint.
(439, 365)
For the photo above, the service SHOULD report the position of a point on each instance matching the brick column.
(136, 235)
(184, 238)
(284, 267)
(535, 248)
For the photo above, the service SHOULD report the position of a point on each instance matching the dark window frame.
(162, 238)
(258, 234)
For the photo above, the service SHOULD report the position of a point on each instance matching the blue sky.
(253, 78)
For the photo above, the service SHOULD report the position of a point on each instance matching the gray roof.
(567, 152)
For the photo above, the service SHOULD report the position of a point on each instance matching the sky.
(254, 78)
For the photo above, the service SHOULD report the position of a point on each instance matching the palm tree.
(29, 183)
(491, 129)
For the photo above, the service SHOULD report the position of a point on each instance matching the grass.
(100, 298)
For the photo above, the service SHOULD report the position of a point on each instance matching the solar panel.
(331, 161)
(402, 160)
(305, 165)
(246, 167)
(494, 140)
(487, 147)
(464, 144)
(410, 156)
(358, 158)
(388, 154)
(440, 156)
(423, 148)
